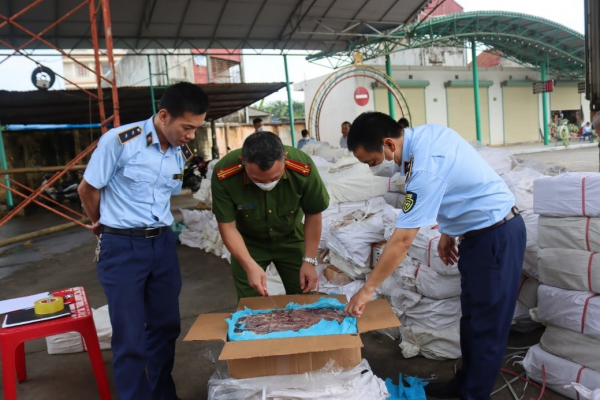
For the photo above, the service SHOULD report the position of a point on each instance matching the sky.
(565, 12)
(15, 74)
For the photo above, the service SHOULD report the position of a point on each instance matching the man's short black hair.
(184, 97)
(304, 132)
(256, 121)
(346, 123)
(262, 149)
(403, 123)
(369, 130)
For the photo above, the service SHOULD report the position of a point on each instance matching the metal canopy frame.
(12, 21)
(226, 24)
(525, 39)
(163, 24)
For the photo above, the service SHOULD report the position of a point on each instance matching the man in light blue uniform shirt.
(344, 139)
(126, 192)
(448, 183)
(306, 139)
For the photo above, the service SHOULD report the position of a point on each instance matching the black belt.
(511, 214)
(138, 232)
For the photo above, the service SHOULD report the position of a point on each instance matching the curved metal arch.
(356, 70)
(525, 39)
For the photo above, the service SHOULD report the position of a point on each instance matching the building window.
(105, 69)
(80, 71)
(200, 61)
(225, 71)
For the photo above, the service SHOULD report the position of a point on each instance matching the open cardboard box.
(249, 359)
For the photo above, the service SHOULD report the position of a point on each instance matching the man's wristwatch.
(309, 260)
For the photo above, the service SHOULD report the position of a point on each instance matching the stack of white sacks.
(201, 229)
(363, 209)
(204, 194)
(425, 294)
(520, 177)
(569, 270)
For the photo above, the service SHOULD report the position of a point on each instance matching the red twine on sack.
(585, 307)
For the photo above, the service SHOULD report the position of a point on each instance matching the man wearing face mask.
(448, 183)
(126, 192)
(260, 194)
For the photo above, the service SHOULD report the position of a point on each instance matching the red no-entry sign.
(361, 96)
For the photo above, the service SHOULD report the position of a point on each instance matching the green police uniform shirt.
(268, 216)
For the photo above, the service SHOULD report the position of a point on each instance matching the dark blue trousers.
(142, 281)
(490, 267)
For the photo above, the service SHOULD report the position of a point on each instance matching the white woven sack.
(559, 372)
(569, 269)
(575, 310)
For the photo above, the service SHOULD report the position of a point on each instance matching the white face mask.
(387, 168)
(267, 187)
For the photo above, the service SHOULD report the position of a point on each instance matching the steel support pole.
(290, 103)
(215, 146)
(152, 98)
(476, 90)
(9, 199)
(546, 120)
(111, 60)
(213, 126)
(388, 71)
(94, 31)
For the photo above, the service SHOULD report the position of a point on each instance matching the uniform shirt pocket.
(139, 182)
(286, 216)
(173, 186)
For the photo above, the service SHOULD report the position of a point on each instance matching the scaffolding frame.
(32, 195)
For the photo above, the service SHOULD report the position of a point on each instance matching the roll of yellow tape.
(49, 305)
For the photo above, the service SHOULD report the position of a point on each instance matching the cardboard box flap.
(244, 349)
(209, 327)
(378, 314)
(263, 303)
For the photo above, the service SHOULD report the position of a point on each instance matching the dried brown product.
(286, 320)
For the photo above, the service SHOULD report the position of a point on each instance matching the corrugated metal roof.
(226, 24)
(76, 107)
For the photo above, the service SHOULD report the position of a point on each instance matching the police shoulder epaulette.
(129, 134)
(297, 166)
(224, 173)
(186, 151)
(408, 165)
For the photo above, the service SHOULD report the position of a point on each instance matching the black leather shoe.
(443, 390)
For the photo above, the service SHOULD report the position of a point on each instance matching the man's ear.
(163, 116)
(390, 144)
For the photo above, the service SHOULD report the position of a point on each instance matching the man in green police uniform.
(260, 194)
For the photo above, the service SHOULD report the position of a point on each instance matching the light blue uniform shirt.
(449, 183)
(343, 143)
(135, 177)
(304, 141)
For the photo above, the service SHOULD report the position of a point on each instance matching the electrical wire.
(544, 393)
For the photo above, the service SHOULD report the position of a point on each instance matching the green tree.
(279, 108)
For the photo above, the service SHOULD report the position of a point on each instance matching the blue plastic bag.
(414, 391)
(322, 328)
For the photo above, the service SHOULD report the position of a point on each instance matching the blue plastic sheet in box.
(322, 328)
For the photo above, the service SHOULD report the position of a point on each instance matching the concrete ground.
(584, 159)
(64, 260)
(207, 288)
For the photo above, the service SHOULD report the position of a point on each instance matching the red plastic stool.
(12, 342)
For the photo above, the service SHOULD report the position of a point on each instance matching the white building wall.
(429, 56)
(340, 105)
(132, 70)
